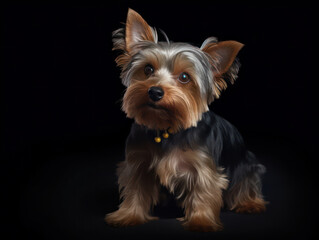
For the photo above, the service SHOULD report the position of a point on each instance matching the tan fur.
(136, 29)
(139, 191)
(190, 174)
(168, 115)
(224, 54)
(181, 108)
(246, 197)
(255, 205)
(200, 186)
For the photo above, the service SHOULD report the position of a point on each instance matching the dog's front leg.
(138, 190)
(198, 183)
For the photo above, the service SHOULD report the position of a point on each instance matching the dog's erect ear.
(225, 65)
(224, 53)
(137, 30)
(127, 39)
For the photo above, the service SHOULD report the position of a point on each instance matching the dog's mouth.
(154, 106)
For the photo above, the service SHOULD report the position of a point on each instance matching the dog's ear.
(223, 59)
(137, 30)
(224, 53)
(127, 39)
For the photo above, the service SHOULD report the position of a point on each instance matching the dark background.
(63, 131)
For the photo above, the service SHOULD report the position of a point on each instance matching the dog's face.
(170, 85)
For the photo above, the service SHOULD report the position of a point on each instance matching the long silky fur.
(204, 161)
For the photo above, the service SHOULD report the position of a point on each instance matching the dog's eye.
(184, 77)
(148, 70)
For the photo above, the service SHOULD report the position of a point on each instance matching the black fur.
(213, 134)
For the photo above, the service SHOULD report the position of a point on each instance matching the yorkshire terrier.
(176, 141)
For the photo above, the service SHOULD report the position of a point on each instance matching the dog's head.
(170, 85)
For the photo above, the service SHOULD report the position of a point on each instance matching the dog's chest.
(180, 164)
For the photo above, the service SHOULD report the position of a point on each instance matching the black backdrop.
(63, 130)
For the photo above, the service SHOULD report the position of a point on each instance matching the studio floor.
(68, 196)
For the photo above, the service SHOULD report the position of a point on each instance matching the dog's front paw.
(121, 218)
(202, 224)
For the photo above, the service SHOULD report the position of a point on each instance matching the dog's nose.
(155, 93)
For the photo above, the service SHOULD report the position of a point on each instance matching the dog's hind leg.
(244, 194)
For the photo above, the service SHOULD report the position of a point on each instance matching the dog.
(175, 140)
